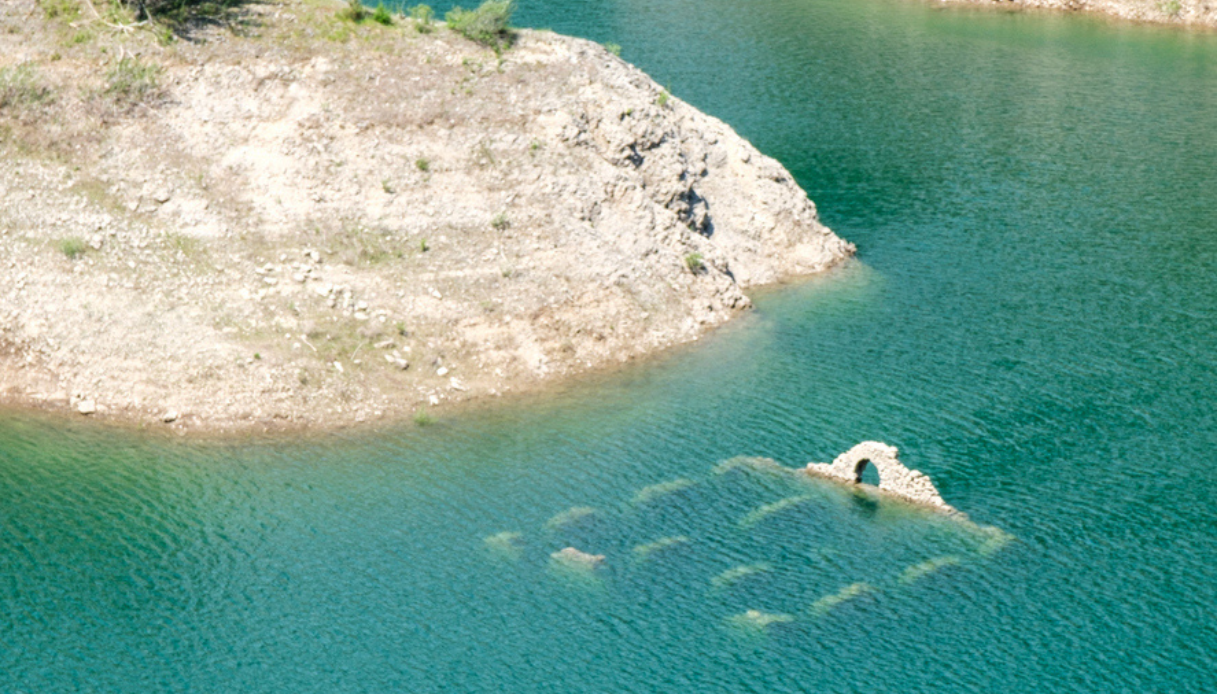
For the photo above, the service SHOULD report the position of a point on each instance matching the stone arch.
(883, 457)
(894, 477)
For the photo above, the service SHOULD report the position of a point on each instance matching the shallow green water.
(1031, 321)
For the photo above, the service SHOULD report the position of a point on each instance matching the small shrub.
(500, 221)
(131, 81)
(613, 48)
(695, 262)
(487, 25)
(54, 9)
(662, 101)
(20, 86)
(387, 186)
(422, 164)
(382, 15)
(422, 418)
(353, 12)
(422, 15)
(1170, 8)
(73, 247)
(422, 246)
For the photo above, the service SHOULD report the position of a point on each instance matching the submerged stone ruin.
(894, 477)
(579, 559)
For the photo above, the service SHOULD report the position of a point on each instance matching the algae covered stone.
(655, 491)
(648, 549)
(762, 512)
(995, 539)
(828, 603)
(507, 543)
(736, 574)
(919, 571)
(570, 516)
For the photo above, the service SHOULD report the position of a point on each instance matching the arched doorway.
(866, 472)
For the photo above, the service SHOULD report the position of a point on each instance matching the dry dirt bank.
(307, 222)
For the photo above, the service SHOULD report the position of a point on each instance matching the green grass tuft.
(695, 262)
(131, 81)
(68, 10)
(73, 247)
(20, 86)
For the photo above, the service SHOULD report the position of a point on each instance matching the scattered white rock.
(577, 558)
(86, 406)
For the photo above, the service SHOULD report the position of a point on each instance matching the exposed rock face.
(310, 232)
(1183, 12)
(894, 477)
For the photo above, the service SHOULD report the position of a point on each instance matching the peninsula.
(286, 218)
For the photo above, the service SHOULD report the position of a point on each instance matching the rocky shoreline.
(312, 223)
(1199, 14)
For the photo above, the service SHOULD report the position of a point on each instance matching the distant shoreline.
(1185, 14)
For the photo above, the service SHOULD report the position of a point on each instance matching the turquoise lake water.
(1032, 319)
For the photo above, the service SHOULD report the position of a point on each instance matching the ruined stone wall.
(894, 477)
